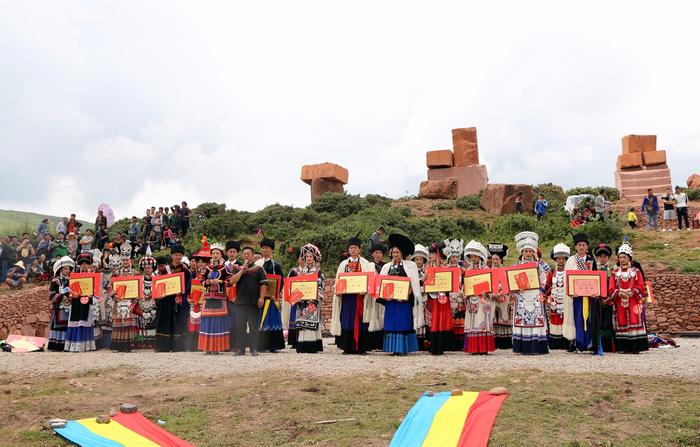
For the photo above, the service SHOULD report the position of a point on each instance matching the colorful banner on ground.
(444, 420)
(124, 430)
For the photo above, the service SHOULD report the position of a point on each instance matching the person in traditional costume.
(453, 252)
(124, 325)
(80, 334)
(607, 334)
(376, 335)
(194, 320)
(555, 290)
(627, 292)
(147, 319)
(402, 318)
(173, 311)
(215, 325)
(59, 294)
(478, 317)
(502, 305)
(438, 313)
(232, 265)
(353, 314)
(420, 257)
(586, 310)
(308, 318)
(271, 329)
(289, 311)
(529, 315)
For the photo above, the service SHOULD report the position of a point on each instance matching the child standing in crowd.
(632, 218)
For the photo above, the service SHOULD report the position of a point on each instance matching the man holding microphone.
(250, 295)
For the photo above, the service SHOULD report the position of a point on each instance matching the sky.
(136, 103)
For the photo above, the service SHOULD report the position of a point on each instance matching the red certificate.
(478, 282)
(166, 285)
(522, 276)
(354, 283)
(304, 287)
(394, 287)
(274, 283)
(441, 279)
(586, 283)
(89, 283)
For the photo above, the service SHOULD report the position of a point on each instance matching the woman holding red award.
(438, 310)
(627, 292)
(215, 323)
(478, 315)
(307, 313)
(402, 318)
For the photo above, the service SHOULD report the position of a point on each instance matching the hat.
(420, 250)
(581, 237)
(20, 264)
(147, 260)
(355, 240)
(162, 260)
(379, 246)
(125, 250)
(84, 258)
(560, 250)
(310, 248)
(177, 249)
(233, 244)
(626, 249)
(64, 261)
(267, 242)
(453, 247)
(603, 249)
(500, 250)
(217, 246)
(185, 260)
(527, 239)
(475, 248)
(403, 243)
(205, 251)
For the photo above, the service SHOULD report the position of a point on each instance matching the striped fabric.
(124, 430)
(443, 420)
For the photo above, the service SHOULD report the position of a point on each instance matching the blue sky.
(149, 103)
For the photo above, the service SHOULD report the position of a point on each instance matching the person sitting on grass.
(632, 218)
(16, 276)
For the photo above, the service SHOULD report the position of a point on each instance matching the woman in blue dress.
(401, 318)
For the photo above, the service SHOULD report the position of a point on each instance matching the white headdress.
(420, 250)
(527, 239)
(310, 248)
(125, 250)
(475, 248)
(64, 261)
(625, 248)
(561, 250)
(217, 246)
(453, 247)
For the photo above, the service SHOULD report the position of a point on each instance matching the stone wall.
(25, 312)
(678, 307)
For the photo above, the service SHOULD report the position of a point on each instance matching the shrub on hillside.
(551, 192)
(470, 202)
(443, 206)
(693, 194)
(339, 204)
(609, 192)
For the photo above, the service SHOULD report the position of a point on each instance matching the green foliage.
(340, 204)
(609, 192)
(693, 194)
(551, 192)
(444, 205)
(470, 202)
(120, 226)
(209, 209)
(608, 231)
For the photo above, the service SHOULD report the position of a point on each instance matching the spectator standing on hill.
(45, 245)
(681, 200)
(133, 229)
(599, 204)
(650, 206)
(87, 240)
(101, 219)
(541, 206)
(669, 211)
(73, 225)
(60, 246)
(632, 218)
(185, 215)
(519, 203)
(25, 251)
(101, 237)
(42, 229)
(62, 226)
(4, 256)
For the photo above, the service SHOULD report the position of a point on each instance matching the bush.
(470, 202)
(609, 192)
(608, 231)
(339, 204)
(693, 194)
(442, 206)
(209, 209)
(551, 192)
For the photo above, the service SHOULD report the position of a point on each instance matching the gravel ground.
(682, 362)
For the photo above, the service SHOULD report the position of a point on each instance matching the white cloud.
(151, 103)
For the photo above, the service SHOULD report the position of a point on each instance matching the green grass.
(18, 222)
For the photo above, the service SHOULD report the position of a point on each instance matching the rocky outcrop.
(470, 179)
(323, 178)
(693, 181)
(641, 166)
(439, 159)
(25, 312)
(499, 198)
(445, 188)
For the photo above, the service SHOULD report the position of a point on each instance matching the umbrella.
(108, 213)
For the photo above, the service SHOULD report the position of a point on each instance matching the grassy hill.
(18, 222)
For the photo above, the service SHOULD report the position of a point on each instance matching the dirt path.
(680, 362)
